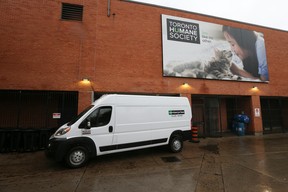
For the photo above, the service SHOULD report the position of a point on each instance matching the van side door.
(99, 126)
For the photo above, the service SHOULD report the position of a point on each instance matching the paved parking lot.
(230, 164)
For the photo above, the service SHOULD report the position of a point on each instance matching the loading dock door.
(198, 118)
(205, 115)
(272, 115)
(212, 117)
(37, 109)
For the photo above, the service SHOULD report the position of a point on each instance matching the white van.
(116, 123)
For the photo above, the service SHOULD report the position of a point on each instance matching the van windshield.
(79, 116)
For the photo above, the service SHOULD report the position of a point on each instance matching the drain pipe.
(108, 8)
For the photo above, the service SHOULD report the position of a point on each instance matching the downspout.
(108, 8)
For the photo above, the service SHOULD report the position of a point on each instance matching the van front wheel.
(77, 157)
(176, 144)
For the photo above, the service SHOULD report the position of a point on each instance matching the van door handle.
(110, 129)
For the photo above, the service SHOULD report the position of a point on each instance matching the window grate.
(72, 12)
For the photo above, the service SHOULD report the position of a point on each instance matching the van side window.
(100, 117)
(104, 116)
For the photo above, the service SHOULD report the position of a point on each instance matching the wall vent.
(72, 12)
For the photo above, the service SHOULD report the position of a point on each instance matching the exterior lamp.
(85, 80)
(255, 88)
(185, 84)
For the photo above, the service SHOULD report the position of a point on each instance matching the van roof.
(141, 100)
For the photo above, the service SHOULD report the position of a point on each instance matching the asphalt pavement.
(227, 164)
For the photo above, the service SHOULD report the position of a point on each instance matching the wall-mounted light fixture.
(85, 80)
(255, 88)
(185, 88)
(185, 84)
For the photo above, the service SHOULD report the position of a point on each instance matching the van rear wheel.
(77, 157)
(176, 143)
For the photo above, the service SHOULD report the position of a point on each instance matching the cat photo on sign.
(217, 68)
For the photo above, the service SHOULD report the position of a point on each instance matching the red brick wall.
(134, 54)
(41, 52)
(120, 53)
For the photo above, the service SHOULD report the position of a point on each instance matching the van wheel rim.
(176, 145)
(77, 157)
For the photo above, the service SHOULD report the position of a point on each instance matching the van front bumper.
(56, 148)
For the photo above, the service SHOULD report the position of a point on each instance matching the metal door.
(198, 118)
(212, 117)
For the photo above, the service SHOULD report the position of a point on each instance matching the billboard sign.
(196, 49)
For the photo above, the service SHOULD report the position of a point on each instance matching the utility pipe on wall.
(108, 8)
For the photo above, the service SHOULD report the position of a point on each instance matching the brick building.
(48, 47)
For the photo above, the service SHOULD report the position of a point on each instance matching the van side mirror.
(88, 125)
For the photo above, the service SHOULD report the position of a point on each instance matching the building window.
(72, 12)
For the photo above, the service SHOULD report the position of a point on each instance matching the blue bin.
(240, 129)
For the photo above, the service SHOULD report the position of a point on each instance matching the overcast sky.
(272, 14)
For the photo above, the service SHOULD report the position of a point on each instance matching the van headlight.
(62, 131)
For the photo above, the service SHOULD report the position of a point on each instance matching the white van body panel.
(136, 122)
(146, 122)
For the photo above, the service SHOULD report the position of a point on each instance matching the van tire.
(176, 143)
(77, 157)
